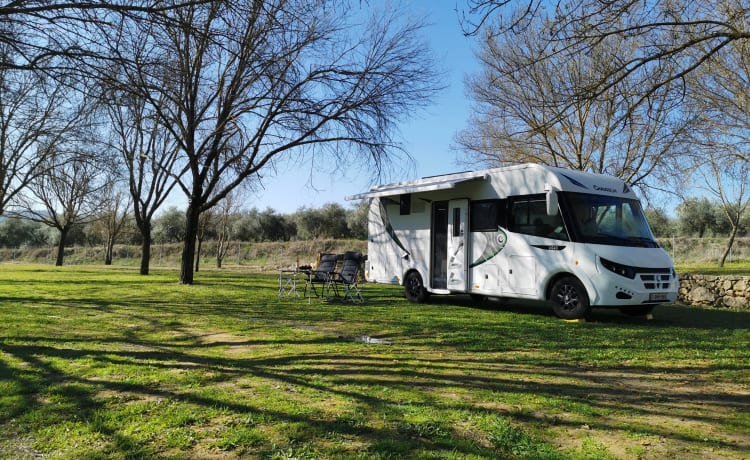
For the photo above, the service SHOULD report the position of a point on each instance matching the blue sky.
(427, 137)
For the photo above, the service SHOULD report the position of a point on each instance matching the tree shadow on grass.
(74, 397)
(355, 374)
(455, 380)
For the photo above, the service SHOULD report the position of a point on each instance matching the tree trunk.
(61, 247)
(198, 255)
(220, 251)
(108, 251)
(188, 249)
(730, 243)
(145, 253)
(145, 228)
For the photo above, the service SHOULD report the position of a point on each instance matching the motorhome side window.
(528, 215)
(487, 215)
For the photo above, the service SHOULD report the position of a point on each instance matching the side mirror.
(551, 200)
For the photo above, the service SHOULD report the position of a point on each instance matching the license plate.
(657, 297)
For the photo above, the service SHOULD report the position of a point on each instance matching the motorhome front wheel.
(569, 299)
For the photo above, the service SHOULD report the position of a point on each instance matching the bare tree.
(205, 222)
(67, 194)
(254, 81)
(719, 100)
(149, 153)
(523, 115)
(47, 49)
(226, 209)
(728, 179)
(114, 215)
(35, 114)
(60, 38)
(677, 37)
(505, 14)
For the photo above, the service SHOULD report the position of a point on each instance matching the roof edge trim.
(439, 183)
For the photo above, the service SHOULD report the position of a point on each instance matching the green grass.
(741, 268)
(103, 363)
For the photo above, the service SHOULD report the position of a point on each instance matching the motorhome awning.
(422, 185)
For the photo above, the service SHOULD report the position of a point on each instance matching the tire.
(637, 310)
(414, 288)
(569, 298)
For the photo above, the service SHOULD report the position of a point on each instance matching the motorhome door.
(458, 234)
(439, 245)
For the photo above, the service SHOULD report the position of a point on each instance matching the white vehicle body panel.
(407, 221)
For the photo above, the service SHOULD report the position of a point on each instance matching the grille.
(656, 281)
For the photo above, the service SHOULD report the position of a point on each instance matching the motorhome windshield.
(604, 219)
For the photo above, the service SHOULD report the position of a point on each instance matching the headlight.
(622, 270)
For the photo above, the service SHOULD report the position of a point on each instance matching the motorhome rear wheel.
(414, 287)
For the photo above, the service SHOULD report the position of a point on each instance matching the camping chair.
(322, 274)
(348, 277)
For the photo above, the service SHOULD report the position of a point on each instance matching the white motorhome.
(574, 239)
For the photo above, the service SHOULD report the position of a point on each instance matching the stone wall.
(715, 291)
